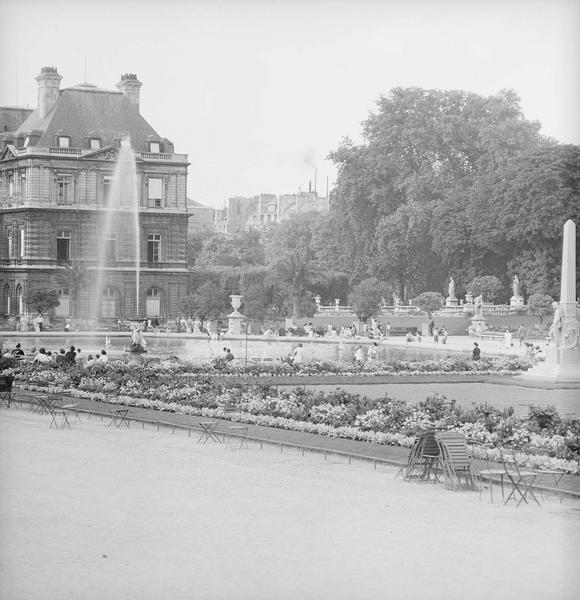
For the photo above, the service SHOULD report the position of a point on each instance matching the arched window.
(110, 302)
(154, 298)
(6, 300)
(63, 309)
(20, 299)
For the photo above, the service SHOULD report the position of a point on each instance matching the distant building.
(200, 217)
(268, 209)
(56, 172)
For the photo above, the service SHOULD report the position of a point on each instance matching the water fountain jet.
(123, 201)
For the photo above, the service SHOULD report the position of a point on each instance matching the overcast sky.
(258, 92)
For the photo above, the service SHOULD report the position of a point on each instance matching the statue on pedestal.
(451, 289)
(516, 286)
(478, 303)
(138, 343)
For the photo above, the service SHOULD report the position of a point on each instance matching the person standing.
(521, 334)
(435, 335)
(507, 339)
(476, 352)
(359, 356)
(372, 352)
(431, 326)
(297, 356)
(68, 325)
(388, 329)
(443, 333)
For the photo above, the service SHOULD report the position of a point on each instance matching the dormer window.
(154, 147)
(95, 143)
(63, 141)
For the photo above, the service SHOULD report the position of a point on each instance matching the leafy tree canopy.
(540, 305)
(367, 296)
(42, 299)
(429, 302)
(488, 286)
(424, 153)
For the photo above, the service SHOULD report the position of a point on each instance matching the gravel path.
(98, 512)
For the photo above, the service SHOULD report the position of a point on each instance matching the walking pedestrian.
(476, 352)
(521, 334)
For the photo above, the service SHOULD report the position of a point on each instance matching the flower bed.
(544, 438)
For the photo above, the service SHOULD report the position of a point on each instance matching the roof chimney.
(130, 86)
(48, 89)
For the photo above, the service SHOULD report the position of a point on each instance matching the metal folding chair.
(521, 481)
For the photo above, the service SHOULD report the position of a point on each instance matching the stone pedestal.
(451, 302)
(478, 324)
(235, 319)
(517, 301)
(562, 364)
(235, 323)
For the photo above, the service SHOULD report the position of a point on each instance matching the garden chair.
(424, 459)
(492, 476)
(457, 468)
(521, 481)
(240, 431)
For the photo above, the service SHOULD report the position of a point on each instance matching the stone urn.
(235, 319)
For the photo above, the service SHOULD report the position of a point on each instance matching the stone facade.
(53, 196)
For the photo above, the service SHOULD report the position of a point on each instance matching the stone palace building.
(56, 173)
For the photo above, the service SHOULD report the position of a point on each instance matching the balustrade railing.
(156, 155)
(68, 151)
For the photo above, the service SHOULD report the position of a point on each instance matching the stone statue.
(555, 331)
(451, 288)
(479, 306)
(138, 343)
(516, 286)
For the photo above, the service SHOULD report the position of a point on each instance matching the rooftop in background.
(82, 113)
(11, 118)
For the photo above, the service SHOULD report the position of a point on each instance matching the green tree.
(540, 305)
(72, 276)
(423, 149)
(42, 299)
(205, 302)
(296, 273)
(518, 213)
(218, 250)
(429, 302)
(488, 286)
(366, 297)
(402, 256)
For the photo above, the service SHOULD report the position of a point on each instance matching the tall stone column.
(562, 364)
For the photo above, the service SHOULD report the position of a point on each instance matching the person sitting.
(103, 358)
(70, 356)
(359, 356)
(229, 355)
(410, 337)
(18, 352)
(60, 357)
(90, 360)
(372, 352)
(41, 357)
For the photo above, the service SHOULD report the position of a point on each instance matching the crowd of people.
(69, 356)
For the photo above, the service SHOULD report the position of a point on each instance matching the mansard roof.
(86, 111)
